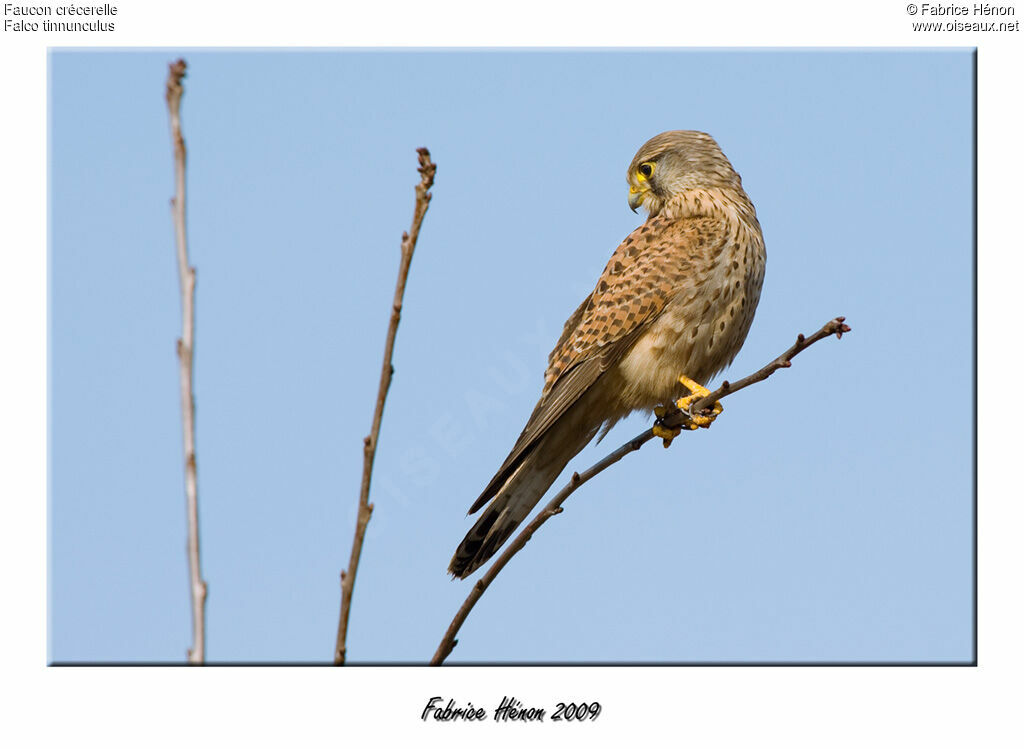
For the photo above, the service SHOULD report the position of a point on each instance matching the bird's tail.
(518, 495)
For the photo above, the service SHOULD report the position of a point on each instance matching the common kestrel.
(670, 311)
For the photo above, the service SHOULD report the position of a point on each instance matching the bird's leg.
(697, 391)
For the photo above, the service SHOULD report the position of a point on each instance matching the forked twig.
(187, 282)
(834, 327)
(427, 170)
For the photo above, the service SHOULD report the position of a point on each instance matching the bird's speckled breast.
(704, 325)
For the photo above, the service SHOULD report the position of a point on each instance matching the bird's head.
(672, 163)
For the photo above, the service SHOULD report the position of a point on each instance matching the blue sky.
(826, 516)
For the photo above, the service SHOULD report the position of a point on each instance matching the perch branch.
(834, 327)
(427, 170)
(187, 283)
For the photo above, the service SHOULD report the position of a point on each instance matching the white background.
(734, 706)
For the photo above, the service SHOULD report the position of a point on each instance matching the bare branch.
(834, 327)
(185, 346)
(427, 170)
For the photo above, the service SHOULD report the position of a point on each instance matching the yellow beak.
(636, 196)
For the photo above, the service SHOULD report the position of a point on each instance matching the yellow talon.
(666, 434)
(697, 391)
(660, 430)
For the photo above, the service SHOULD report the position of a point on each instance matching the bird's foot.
(697, 391)
(694, 420)
(667, 434)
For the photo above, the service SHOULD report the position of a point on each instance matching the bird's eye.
(646, 169)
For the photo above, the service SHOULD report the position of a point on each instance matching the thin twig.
(187, 283)
(427, 170)
(678, 418)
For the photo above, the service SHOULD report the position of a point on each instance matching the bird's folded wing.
(640, 278)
